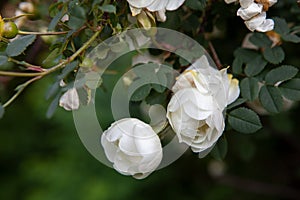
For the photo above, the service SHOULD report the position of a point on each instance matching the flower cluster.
(195, 112)
(254, 14)
(196, 109)
(157, 6)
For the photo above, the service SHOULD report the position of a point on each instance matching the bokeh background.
(44, 159)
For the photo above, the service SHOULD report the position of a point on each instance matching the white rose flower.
(195, 111)
(254, 14)
(133, 147)
(159, 6)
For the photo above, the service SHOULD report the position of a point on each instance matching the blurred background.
(44, 159)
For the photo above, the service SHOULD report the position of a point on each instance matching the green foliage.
(291, 89)
(255, 66)
(249, 88)
(282, 73)
(260, 40)
(274, 55)
(270, 97)
(19, 45)
(244, 120)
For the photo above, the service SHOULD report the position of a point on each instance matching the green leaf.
(53, 89)
(291, 89)
(246, 55)
(282, 73)
(281, 27)
(255, 66)
(1, 111)
(237, 66)
(291, 38)
(237, 102)
(77, 17)
(271, 99)
(55, 20)
(244, 120)
(249, 88)
(68, 68)
(220, 149)
(53, 106)
(274, 55)
(260, 40)
(3, 60)
(196, 4)
(141, 93)
(108, 8)
(19, 45)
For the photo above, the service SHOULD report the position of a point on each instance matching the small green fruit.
(10, 30)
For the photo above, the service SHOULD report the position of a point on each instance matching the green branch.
(47, 71)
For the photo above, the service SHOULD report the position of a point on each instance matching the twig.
(215, 55)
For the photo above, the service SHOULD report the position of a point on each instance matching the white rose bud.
(133, 147)
(195, 111)
(69, 100)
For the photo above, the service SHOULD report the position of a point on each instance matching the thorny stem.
(47, 71)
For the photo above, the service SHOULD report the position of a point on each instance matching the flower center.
(202, 129)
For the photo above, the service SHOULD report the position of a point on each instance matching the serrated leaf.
(260, 40)
(271, 99)
(1, 111)
(274, 55)
(237, 66)
(237, 102)
(19, 45)
(291, 38)
(220, 149)
(281, 26)
(282, 73)
(244, 120)
(291, 89)
(53, 106)
(249, 88)
(246, 55)
(255, 66)
(108, 8)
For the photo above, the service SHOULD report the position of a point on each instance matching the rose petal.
(256, 21)
(267, 25)
(246, 3)
(174, 4)
(140, 3)
(249, 12)
(157, 5)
